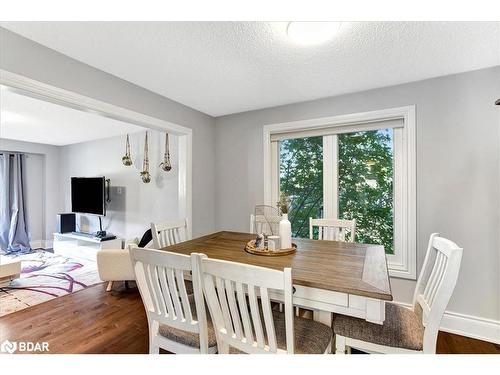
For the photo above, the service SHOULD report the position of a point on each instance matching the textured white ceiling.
(227, 67)
(32, 120)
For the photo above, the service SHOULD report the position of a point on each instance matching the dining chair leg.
(154, 348)
(340, 344)
(222, 348)
(329, 347)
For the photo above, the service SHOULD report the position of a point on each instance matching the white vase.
(285, 232)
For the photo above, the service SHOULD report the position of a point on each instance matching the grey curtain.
(13, 226)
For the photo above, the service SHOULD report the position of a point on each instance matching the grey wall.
(457, 171)
(42, 186)
(134, 205)
(25, 57)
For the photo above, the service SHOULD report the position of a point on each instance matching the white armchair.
(115, 264)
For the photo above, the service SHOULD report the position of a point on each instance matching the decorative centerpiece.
(253, 248)
(266, 220)
(285, 225)
(274, 235)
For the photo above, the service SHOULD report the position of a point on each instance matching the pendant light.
(166, 165)
(127, 160)
(145, 175)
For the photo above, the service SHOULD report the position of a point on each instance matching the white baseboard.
(471, 326)
(468, 325)
(41, 244)
(36, 244)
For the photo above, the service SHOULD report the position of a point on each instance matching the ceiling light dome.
(308, 33)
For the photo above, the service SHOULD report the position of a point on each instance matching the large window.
(354, 170)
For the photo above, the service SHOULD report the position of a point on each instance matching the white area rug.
(45, 276)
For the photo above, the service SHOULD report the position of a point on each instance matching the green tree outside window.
(365, 168)
(365, 173)
(301, 179)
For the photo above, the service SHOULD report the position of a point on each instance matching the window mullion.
(330, 176)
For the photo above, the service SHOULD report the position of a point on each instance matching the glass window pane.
(366, 167)
(301, 179)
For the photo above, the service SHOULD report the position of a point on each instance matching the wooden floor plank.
(94, 321)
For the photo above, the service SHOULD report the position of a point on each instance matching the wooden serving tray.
(250, 248)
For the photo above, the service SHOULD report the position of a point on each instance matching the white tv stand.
(73, 245)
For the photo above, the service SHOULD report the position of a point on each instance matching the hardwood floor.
(94, 321)
(88, 321)
(455, 344)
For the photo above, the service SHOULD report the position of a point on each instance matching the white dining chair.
(259, 224)
(177, 321)
(169, 233)
(408, 330)
(332, 229)
(251, 325)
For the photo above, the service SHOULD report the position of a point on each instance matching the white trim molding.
(467, 325)
(402, 264)
(471, 326)
(60, 96)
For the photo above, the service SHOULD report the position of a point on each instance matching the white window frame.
(403, 263)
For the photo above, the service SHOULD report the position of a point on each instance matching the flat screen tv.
(88, 195)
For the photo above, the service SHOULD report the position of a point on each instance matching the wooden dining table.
(328, 276)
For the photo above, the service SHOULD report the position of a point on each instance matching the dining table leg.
(324, 317)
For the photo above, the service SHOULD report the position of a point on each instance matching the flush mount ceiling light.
(308, 33)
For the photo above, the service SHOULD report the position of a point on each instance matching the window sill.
(402, 273)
